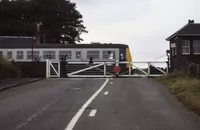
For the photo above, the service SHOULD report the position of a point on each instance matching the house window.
(93, 54)
(196, 46)
(49, 55)
(173, 49)
(66, 54)
(1, 53)
(78, 54)
(108, 54)
(186, 47)
(20, 55)
(35, 55)
(9, 55)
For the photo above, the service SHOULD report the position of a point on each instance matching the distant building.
(185, 45)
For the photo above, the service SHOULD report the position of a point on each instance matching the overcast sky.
(142, 24)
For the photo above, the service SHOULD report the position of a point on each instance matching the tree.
(60, 21)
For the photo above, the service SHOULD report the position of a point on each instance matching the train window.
(67, 54)
(35, 54)
(93, 54)
(49, 55)
(78, 54)
(1, 53)
(20, 55)
(9, 55)
(108, 54)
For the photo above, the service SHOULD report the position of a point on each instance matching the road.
(93, 104)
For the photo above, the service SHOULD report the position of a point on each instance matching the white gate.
(100, 67)
(105, 69)
(145, 69)
(133, 69)
(52, 69)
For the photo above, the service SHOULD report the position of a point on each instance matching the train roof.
(28, 42)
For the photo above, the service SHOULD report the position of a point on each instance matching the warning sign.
(117, 69)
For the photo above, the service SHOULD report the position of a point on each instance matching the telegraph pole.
(37, 37)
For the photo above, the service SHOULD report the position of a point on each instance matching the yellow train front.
(124, 56)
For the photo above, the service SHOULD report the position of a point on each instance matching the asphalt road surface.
(93, 104)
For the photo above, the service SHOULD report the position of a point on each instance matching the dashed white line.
(39, 112)
(93, 113)
(44, 108)
(20, 126)
(106, 93)
(30, 118)
(76, 88)
(74, 120)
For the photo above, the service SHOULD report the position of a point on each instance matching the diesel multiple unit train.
(30, 56)
(25, 49)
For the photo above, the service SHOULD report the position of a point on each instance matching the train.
(25, 49)
(31, 56)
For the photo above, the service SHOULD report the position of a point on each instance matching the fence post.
(58, 69)
(149, 72)
(167, 67)
(129, 68)
(47, 68)
(117, 63)
(104, 69)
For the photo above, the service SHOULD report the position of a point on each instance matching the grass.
(7, 70)
(185, 88)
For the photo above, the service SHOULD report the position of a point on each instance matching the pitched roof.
(16, 40)
(190, 29)
(49, 46)
(13, 42)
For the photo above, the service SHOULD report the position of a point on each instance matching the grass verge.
(7, 70)
(185, 88)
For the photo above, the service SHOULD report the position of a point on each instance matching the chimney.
(190, 21)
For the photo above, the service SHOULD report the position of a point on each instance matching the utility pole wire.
(154, 60)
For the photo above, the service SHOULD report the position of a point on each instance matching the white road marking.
(76, 88)
(106, 93)
(39, 112)
(93, 113)
(111, 82)
(46, 107)
(20, 126)
(111, 78)
(74, 120)
(195, 115)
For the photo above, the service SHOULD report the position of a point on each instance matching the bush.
(192, 69)
(7, 70)
(172, 77)
(185, 88)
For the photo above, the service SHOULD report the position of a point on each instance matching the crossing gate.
(97, 69)
(145, 69)
(132, 69)
(52, 69)
(105, 69)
